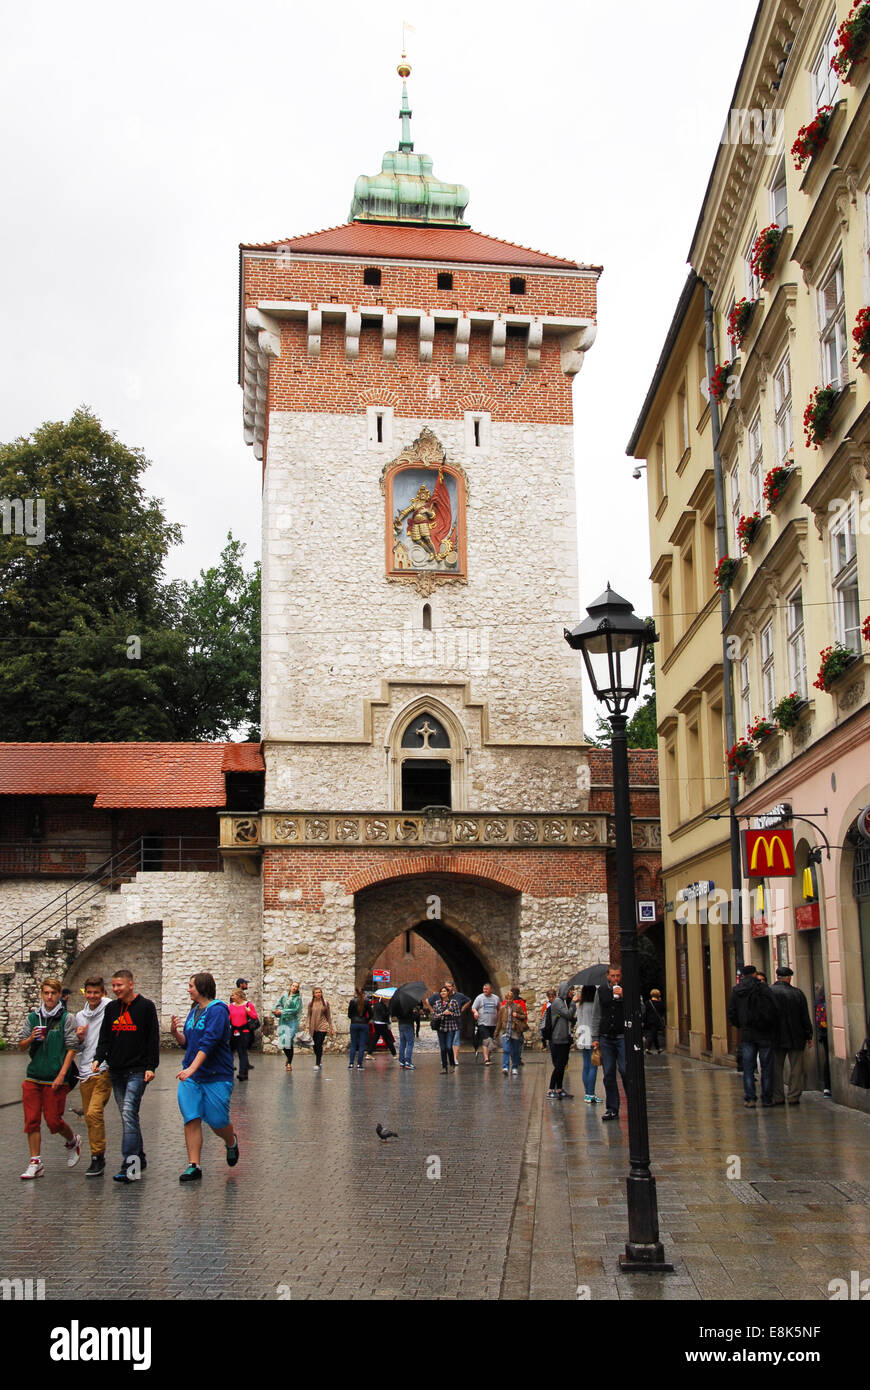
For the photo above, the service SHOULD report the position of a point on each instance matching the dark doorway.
(425, 782)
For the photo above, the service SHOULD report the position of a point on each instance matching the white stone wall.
(19, 897)
(558, 937)
(315, 948)
(336, 632)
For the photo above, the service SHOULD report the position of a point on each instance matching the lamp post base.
(644, 1259)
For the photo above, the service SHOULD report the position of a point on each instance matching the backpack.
(546, 1025)
(762, 1014)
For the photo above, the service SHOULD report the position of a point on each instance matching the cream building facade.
(784, 252)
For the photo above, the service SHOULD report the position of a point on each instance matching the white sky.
(141, 145)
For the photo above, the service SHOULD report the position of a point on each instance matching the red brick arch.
(476, 866)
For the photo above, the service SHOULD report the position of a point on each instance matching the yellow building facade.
(783, 247)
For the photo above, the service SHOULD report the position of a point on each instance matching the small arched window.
(427, 617)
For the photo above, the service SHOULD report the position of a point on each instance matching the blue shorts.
(205, 1100)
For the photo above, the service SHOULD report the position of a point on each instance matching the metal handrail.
(148, 853)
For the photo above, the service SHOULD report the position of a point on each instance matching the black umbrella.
(408, 997)
(592, 975)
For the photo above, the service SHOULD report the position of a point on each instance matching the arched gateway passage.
(472, 924)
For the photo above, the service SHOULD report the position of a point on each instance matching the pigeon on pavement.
(385, 1134)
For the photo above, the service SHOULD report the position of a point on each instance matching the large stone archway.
(137, 947)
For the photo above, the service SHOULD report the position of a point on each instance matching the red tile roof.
(398, 241)
(165, 775)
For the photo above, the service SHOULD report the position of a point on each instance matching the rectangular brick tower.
(407, 387)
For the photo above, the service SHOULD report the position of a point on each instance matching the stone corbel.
(391, 333)
(739, 423)
(807, 273)
(315, 331)
(497, 343)
(842, 202)
(764, 372)
(574, 345)
(850, 175)
(533, 347)
(859, 472)
(262, 343)
(820, 517)
(463, 338)
(427, 337)
(352, 327)
(802, 552)
(864, 461)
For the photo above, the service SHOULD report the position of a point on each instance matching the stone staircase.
(19, 986)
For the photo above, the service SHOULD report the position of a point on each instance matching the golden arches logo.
(785, 860)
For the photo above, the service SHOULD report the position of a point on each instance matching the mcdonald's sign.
(768, 853)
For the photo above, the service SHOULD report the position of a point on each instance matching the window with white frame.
(824, 78)
(832, 321)
(797, 647)
(734, 489)
(782, 409)
(768, 682)
(779, 195)
(745, 697)
(756, 462)
(753, 283)
(844, 568)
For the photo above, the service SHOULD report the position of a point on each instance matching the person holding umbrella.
(381, 1022)
(584, 997)
(405, 1005)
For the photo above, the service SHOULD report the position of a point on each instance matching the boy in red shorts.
(50, 1034)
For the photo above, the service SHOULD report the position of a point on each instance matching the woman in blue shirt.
(205, 1082)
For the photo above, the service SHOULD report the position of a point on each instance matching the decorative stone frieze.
(274, 828)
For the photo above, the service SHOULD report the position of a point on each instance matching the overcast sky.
(142, 144)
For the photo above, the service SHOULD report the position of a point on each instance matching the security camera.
(636, 473)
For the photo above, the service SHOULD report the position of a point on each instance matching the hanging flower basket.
(741, 756)
(738, 320)
(834, 661)
(760, 729)
(851, 40)
(762, 257)
(818, 415)
(787, 711)
(812, 138)
(775, 483)
(719, 381)
(861, 331)
(725, 571)
(865, 629)
(746, 528)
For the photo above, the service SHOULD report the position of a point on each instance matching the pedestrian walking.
(407, 1014)
(94, 1089)
(359, 1011)
(511, 1026)
(381, 1026)
(49, 1034)
(795, 1036)
(485, 1009)
(608, 1032)
(319, 1024)
(563, 1016)
(288, 1012)
(585, 1015)
(446, 1014)
(205, 1082)
(130, 1043)
(242, 1016)
(752, 1009)
(821, 1015)
(653, 1022)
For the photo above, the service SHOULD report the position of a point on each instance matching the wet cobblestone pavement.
(530, 1202)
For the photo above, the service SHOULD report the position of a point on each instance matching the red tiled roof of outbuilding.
(165, 775)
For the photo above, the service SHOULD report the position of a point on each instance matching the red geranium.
(719, 381)
(738, 320)
(746, 529)
(861, 334)
(812, 138)
(762, 258)
(851, 41)
(817, 416)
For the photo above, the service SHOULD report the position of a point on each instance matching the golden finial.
(404, 68)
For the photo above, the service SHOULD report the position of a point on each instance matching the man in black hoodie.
(752, 1009)
(130, 1043)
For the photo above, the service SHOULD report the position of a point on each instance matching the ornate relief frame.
(422, 464)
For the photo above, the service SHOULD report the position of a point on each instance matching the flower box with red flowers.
(834, 661)
(861, 334)
(851, 40)
(812, 138)
(760, 729)
(762, 258)
(818, 415)
(775, 483)
(788, 710)
(746, 529)
(865, 629)
(719, 381)
(725, 571)
(738, 320)
(741, 756)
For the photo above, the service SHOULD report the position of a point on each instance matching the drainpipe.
(727, 664)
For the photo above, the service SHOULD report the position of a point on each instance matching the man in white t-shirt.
(94, 1087)
(485, 1009)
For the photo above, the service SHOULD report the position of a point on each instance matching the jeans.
(590, 1073)
(559, 1053)
(128, 1087)
(359, 1036)
(511, 1051)
(445, 1042)
(612, 1056)
(240, 1044)
(406, 1042)
(318, 1040)
(763, 1052)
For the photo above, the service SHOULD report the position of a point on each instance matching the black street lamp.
(614, 643)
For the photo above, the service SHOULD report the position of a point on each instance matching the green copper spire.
(406, 190)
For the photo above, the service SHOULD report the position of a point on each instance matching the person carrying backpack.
(752, 1009)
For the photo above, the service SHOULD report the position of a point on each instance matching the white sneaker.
(515, 1072)
(316, 1066)
(74, 1151)
(34, 1169)
(504, 1071)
